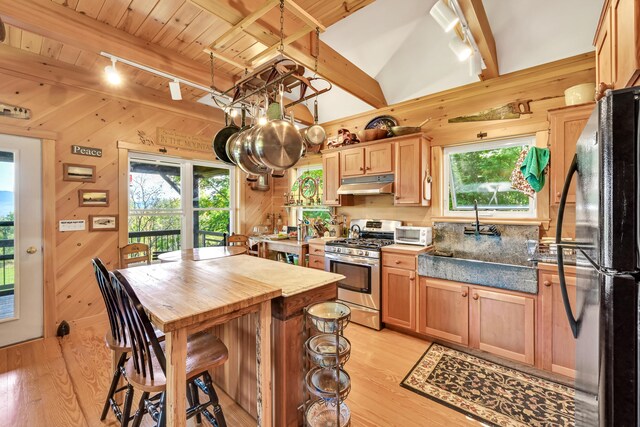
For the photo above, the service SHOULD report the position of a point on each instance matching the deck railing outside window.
(161, 241)
(6, 258)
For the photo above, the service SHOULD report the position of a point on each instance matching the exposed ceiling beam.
(478, 22)
(57, 22)
(31, 66)
(332, 66)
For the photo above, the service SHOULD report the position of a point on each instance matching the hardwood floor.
(62, 382)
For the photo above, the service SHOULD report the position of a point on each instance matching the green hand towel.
(533, 167)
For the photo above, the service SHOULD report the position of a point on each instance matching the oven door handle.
(352, 260)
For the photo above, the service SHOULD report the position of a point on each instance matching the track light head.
(444, 16)
(112, 74)
(460, 48)
(475, 64)
(174, 88)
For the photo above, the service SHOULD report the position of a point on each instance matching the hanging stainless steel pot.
(235, 135)
(315, 134)
(220, 140)
(242, 159)
(278, 145)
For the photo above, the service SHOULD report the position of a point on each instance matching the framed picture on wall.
(103, 222)
(93, 198)
(80, 173)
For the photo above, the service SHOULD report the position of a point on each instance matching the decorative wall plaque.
(184, 141)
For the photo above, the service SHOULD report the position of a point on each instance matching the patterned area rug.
(489, 392)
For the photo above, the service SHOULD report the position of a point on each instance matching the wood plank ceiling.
(179, 26)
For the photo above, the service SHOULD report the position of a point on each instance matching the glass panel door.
(211, 205)
(155, 205)
(7, 235)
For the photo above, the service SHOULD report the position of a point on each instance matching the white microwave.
(408, 235)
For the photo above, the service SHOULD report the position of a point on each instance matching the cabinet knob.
(558, 194)
(475, 296)
(337, 199)
(547, 283)
(397, 197)
(368, 167)
(464, 294)
(397, 261)
(600, 90)
(412, 277)
(361, 168)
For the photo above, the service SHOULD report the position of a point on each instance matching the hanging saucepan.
(278, 145)
(315, 134)
(220, 140)
(242, 158)
(236, 135)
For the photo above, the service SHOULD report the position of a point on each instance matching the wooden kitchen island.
(289, 289)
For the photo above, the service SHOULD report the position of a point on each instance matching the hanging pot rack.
(267, 78)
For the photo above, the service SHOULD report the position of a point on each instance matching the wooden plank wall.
(75, 117)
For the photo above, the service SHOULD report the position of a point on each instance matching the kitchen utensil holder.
(329, 319)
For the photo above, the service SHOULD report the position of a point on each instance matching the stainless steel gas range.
(359, 260)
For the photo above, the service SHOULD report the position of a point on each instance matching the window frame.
(530, 213)
(187, 210)
(301, 209)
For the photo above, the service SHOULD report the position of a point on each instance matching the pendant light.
(475, 64)
(460, 48)
(444, 16)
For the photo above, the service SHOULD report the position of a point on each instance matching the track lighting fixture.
(174, 88)
(444, 16)
(475, 64)
(460, 48)
(113, 77)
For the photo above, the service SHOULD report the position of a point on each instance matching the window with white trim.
(177, 203)
(482, 172)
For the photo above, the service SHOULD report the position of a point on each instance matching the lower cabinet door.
(444, 310)
(399, 297)
(558, 343)
(503, 324)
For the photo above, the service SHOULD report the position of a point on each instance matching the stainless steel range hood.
(363, 185)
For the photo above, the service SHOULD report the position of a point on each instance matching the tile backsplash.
(509, 248)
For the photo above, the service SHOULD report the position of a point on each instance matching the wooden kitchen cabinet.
(557, 344)
(617, 44)
(331, 179)
(566, 124)
(502, 323)
(444, 310)
(399, 297)
(373, 159)
(316, 256)
(412, 174)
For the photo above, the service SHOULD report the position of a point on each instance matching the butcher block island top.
(171, 291)
(236, 296)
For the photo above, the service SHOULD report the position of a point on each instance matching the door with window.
(21, 281)
(176, 204)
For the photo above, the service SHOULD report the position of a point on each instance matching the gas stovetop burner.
(362, 243)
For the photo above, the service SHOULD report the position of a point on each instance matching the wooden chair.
(146, 369)
(118, 342)
(241, 240)
(134, 253)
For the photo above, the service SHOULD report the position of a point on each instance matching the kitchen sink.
(448, 266)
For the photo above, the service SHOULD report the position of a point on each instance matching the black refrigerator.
(604, 318)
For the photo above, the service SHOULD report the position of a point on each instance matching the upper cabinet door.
(625, 41)
(604, 54)
(566, 126)
(352, 162)
(331, 178)
(407, 175)
(378, 158)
